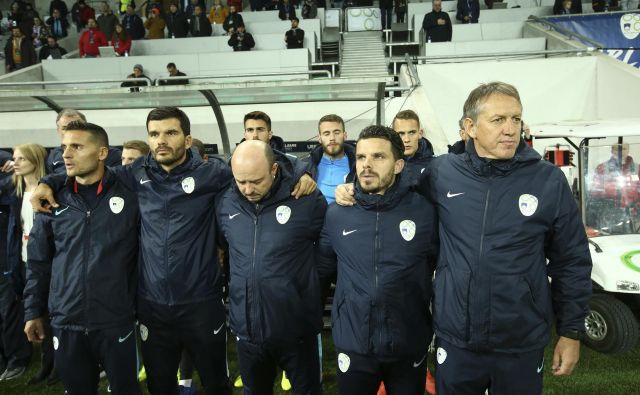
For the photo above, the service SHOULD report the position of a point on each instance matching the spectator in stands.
(232, 20)
(386, 9)
(294, 37)
(121, 41)
(132, 150)
(575, 8)
(19, 51)
(309, 9)
(39, 32)
(16, 14)
(401, 10)
(628, 5)
(468, 11)
(177, 23)
(604, 5)
(286, 10)
(81, 13)
(91, 40)
(138, 72)
(59, 5)
(58, 24)
(133, 23)
(51, 50)
(437, 24)
(174, 72)
(155, 25)
(200, 25)
(191, 8)
(241, 40)
(234, 3)
(107, 20)
(218, 13)
(123, 4)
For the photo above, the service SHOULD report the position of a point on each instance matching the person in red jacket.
(90, 40)
(121, 41)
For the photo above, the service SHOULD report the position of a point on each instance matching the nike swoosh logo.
(416, 364)
(219, 329)
(450, 195)
(58, 212)
(233, 216)
(344, 232)
(422, 170)
(541, 366)
(56, 162)
(142, 182)
(122, 339)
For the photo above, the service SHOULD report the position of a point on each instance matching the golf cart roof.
(588, 129)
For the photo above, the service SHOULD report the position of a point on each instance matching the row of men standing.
(383, 250)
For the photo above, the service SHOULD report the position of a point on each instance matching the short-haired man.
(418, 151)
(55, 161)
(294, 37)
(91, 40)
(51, 50)
(107, 20)
(274, 291)
(459, 146)
(493, 301)
(133, 23)
(83, 259)
(132, 150)
(19, 51)
(180, 287)
(199, 26)
(173, 71)
(257, 126)
(240, 39)
(333, 159)
(437, 24)
(383, 250)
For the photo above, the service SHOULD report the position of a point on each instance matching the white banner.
(363, 19)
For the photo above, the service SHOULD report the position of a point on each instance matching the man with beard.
(332, 160)
(383, 249)
(180, 287)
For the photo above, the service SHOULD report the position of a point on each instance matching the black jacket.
(84, 260)
(55, 163)
(506, 227)
(177, 25)
(244, 44)
(466, 8)
(59, 5)
(134, 26)
(176, 81)
(315, 156)
(64, 25)
(418, 163)
(45, 51)
(383, 250)
(274, 292)
(232, 21)
(294, 38)
(205, 26)
(457, 147)
(286, 12)
(433, 31)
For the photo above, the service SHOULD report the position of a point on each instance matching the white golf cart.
(598, 160)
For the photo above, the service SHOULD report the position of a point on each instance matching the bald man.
(274, 291)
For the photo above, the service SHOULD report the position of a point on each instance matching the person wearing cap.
(155, 25)
(138, 72)
(241, 40)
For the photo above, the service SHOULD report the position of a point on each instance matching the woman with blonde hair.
(29, 167)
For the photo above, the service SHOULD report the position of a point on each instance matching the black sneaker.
(12, 373)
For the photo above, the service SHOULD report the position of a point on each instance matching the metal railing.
(498, 55)
(570, 34)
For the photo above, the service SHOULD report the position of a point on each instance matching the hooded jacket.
(274, 292)
(383, 250)
(506, 227)
(84, 260)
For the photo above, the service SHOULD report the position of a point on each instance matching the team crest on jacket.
(407, 229)
(188, 184)
(144, 333)
(528, 204)
(283, 213)
(343, 362)
(116, 204)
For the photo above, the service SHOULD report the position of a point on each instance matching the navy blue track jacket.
(274, 294)
(84, 261)
(383, 249)
(500, 221)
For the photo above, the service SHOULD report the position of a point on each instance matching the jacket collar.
(349, 150)
(382, 202)
(492, 167)
(424, 151)
(190, 163)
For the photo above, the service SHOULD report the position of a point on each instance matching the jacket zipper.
(166, 253)
(254, 276)
(375, 271)
(87, 246)
(481, 249)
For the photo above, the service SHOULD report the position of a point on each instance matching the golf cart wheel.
(610, 325)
